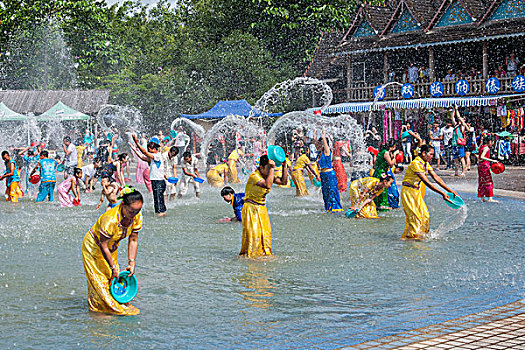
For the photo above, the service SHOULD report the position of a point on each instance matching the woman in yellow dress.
(99, 251)
(256, 227)
(303, 162)
(216, 176)
(415, 182)
(363, 192)
(233, 158)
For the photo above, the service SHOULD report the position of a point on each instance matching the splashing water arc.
(233, 130)
(284, 94)
(341, 128)
(123, 118)
(188, 124)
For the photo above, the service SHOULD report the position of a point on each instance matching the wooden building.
(460, 35)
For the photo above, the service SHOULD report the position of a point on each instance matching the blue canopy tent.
(225, 108)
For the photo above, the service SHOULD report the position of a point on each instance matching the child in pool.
(68, 185)
(109, 190)
(235, 199)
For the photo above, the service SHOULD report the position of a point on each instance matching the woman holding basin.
(413, 194)
(256, 227)
(99, 251)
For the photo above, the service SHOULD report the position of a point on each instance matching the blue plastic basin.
(124, 288)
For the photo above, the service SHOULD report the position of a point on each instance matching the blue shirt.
(30, 161)
(238, 202)
(47, 170)
(13, 178)
(325, 162)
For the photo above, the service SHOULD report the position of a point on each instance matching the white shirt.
(447, 135)
(181, 139)
(156, 167)
(71, 159)
(88, 171)
(169, 163)
(191, 166)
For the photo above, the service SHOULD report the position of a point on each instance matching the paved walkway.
(510, 183)
(498, 328)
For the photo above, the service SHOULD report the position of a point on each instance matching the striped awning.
(414, 104)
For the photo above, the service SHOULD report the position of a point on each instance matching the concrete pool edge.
(502, 327)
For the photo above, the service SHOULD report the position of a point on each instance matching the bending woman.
(99, 251)
(363, 192)
(332, 202)
(217, 176)
(303, 162)
(256, 227)
(413, 194)
(385, 160)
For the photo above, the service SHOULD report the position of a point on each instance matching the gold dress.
(214, 175)
(96, 267)
(256, 227)
(233, 158)
(413, 200)
(279, 172)
(297, 175)
(357, 187)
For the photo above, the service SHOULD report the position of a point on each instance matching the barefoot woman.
(256, 227)
(99, 251)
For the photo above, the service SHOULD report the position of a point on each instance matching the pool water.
(333, 281)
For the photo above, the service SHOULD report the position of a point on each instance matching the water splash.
(295, 95)
(122, 118)
(188, 125)
(341, 128)
(234, 133)
(450, 224)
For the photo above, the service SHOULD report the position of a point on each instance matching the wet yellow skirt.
(13, 192)
(233, 176)
(214, 178)
(98, 273)
(369, 211)
(300, 185)
(416, 212)
(256, 231)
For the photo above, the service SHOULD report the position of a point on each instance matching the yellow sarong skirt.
(214, 178)
(13, 192)
(233, 176)
(300, 185)
(256, 231)
(369, 211)
(98, 273)
(416, 212)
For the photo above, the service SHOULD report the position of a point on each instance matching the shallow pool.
(333, 281)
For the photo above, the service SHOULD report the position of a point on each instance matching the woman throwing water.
(99, 251)
(413, 194)
(256, 227)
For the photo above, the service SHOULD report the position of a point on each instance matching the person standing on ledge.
(99, 251)
(413, 194)
(256, 227)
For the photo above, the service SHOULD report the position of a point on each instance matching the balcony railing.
(361, 92)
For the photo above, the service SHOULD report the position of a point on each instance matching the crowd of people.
(413, 74)
(167, 168)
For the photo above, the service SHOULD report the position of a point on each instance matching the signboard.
(436, 89)
(407, 90)
(462, 87)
